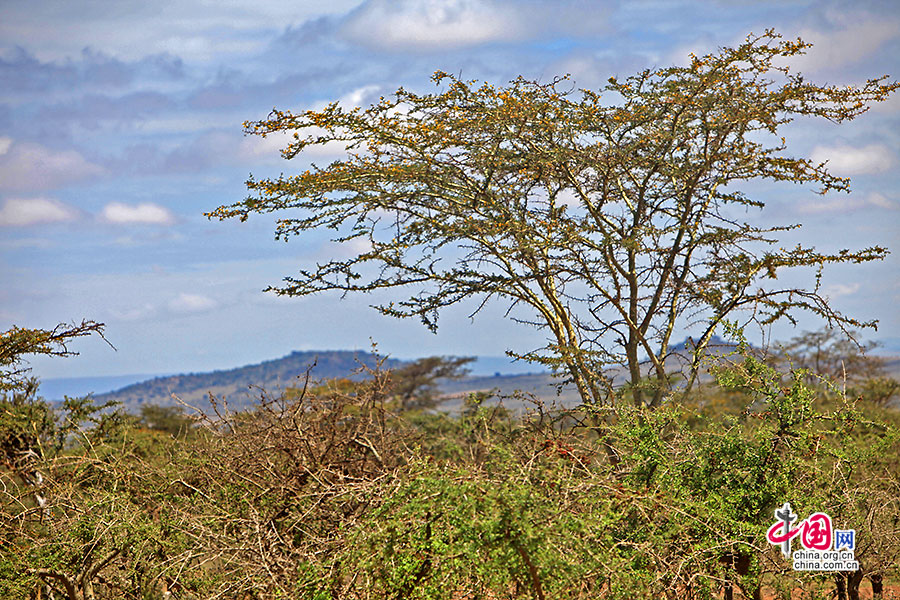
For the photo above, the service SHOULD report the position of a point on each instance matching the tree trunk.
(634, 372)
(853, 581)
(740, 563)
(840, 583)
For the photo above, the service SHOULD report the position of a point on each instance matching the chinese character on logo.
(785, 517)
(845, 539)
(814, 531)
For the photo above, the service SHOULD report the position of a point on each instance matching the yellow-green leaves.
(605, 222)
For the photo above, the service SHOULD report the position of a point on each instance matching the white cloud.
(848, 160)
(846, 45)
(143, 213)
(135, 313)
(256, 146)
(843, 204)
(343, 250)
(192, 303)
(432, 24)
(30, 242)
(5, 143)
(199, 30)
(31, 167)
(360, 96)
(837, 290)
(268, 149)
(876, 199)
(568, 198)
(889, 106)
(32, 211)
(156, 236)
(702, 46)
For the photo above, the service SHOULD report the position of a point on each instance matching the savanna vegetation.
(609, 226)
(347, 489)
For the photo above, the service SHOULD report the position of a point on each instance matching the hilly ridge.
(240, 385)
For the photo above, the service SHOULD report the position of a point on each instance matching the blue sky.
(120, 124)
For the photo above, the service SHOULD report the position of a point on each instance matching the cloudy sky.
(120, 124)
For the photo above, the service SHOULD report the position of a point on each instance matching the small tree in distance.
(609, 225)
(838, 357)
(416, 383)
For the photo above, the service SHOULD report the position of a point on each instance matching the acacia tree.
(607, 223)
(27, 423)
(18, 342)
(416, 384)
(839, 357)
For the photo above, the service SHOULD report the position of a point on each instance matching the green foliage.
(877, 390)
(25, 423)
(342, 490)
(837, 356)
(169, 419)
(448, 532)
(331, 491)
(18, 342)
(416, 384)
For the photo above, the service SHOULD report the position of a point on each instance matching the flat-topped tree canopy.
(604, 221)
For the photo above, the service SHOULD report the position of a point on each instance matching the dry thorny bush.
(287, 478)
(285, 485)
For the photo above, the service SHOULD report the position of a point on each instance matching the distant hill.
(716, 346)
(241, 385)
